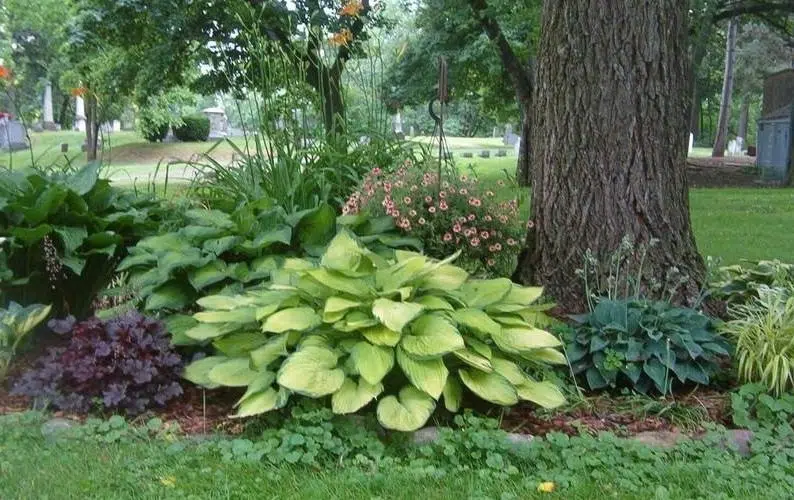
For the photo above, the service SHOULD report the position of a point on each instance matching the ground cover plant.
(16, 322)
(121, 365)
(358, 327)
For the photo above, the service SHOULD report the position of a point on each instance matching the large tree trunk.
(91, 126)
(609, 144)
(744, 116)
(727, 91)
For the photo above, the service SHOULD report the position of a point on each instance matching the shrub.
(66, 232)
(152, 129)
(644, 345)
(455, 214)
(753, 408)
(194, 128)
(357, 326)
(763, 332)
(216, 252)
(126, 364)
(740, 284)
(15, 323)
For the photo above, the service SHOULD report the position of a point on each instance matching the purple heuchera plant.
(123, 364)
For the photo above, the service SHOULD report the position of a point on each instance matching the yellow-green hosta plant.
(356, 328)
(15, 323)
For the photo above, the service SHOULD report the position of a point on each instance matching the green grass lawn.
(36, 467)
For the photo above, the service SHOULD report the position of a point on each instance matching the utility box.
(774, 144)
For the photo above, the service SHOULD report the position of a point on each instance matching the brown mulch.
(734, 171)
(619, 415)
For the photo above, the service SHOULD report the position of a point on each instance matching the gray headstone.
(47, 116)
(55, 426)
(12, 135)
(219, 123)
(485, 153)
(501, 153)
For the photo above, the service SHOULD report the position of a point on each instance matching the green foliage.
(15, 323)
(763, 332)
(357, 325)
(740, 284)
(215, 252)
(66, 232)
(645, 345)
(753, 408)
(163, 110)
(151, 128)
(194, 128)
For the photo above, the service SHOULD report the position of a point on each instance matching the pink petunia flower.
(432, 210)
(447, 237)
(475, 242)
(471, 217)
(484, 235)
(456, 228)
(428, 199)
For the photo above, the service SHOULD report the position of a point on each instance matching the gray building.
(776, 127)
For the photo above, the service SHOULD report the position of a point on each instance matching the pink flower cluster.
(454, 214)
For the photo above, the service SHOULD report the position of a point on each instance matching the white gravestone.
(691, 143)
(733, 148)
(48, 122)
(517, 147)
(79, 114)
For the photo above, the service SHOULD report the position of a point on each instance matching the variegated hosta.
(357, 326)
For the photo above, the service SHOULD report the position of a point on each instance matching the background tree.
(609, 143)
(727, 89)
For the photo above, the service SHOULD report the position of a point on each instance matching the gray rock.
(515, 438)
(660, 439)
(738, 439)
(425, 436)
(56, 426)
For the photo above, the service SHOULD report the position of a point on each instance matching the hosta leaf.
(239, 315)
(262, 267)
(270, 351)
(407, 412)
(172, 295)
(212, 218)
(263, 381)
(544, 394)
(206, 331)
(372, 362)
(311, 371)
(356, 320)
(398, 274)
(198, 371)
(395, 315)
(85, 179)
(238, 271)
(489, 386)
(29, 236)
(482, 293)
(282, 234)
(218, 246)
(163, 243)
(239, 344)
(71, 237)
(343, 253)
(453, 394)
(353, 396)
(381, 335)
(258, 403)
(432, 335)
(477, 320)
(545, 355)
(224, 302)
(353, 286)
(197, 234)
(177, 326)
(509, 370)
(233, 373)
(433, 303)
(293, 318)
(473, 359)
(336, 307)
(446, 277)
(171, 261)
(516, 340)
(427, 375)
(523, 295)
(479, 347)
(76, 264)
(658, 373)
(508, 320)
(316, 229)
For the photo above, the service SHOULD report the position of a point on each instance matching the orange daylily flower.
(343, 37)
(351, 8)
(78, 91)
(5, 73)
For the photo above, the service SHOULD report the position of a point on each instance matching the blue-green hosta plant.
(356, 328)
(645, 345)
(15, 323)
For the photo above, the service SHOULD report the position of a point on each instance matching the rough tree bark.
(727, 90)
(91, 126)
(609, 143)
(521, 77)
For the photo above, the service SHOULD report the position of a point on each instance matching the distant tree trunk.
(521, 78)
(91, 126)
(609, 141)
(694, 113)
(727, 91)
(744, 115)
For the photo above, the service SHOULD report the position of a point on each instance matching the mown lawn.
(37, 467)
